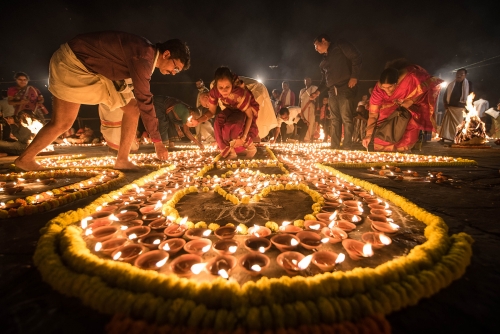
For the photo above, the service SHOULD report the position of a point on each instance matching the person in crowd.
(200, 85)
(454, 98)
(287, 97)
(340, 69)
(173, 117)
(324, 118)
(493, 130)
(5, 107)
(481, 105)
(287, 124)
(410, 86)
(204, 130)
(275, 99)
(360, 120)
(84, 135)
(26, 97)
(308, 108)
(8, 142)
(235, 126)
(112, 68)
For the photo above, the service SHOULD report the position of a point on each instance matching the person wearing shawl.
(26, 97)
(409, 86)
(454, 99)
(235, 126)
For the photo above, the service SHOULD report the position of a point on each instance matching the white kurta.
(309, 112)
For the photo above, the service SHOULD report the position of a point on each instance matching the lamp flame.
(256, 267)
(367, 250)
(305, 262)
(198, 267)
(98, 246)
(161, 263)
(340, 258)
(117, 256)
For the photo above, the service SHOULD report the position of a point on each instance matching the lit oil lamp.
(288, 227)
(377, 240)
(152, 240)
(285, 242)
(134, 233)
(128, 253)
(225, 246)
(257, 244)
(254, 263)
(197, 233)
(198, 246)
(187, 265)
(259, 231)
(153, 260)
(109, 246)
(172, 246)
(222, 265)
(309, 240)
(225, 232)
(293, 262)
(357, 249)
(334, 234)
(326, 261)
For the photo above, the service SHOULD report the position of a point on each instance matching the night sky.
(251, 36)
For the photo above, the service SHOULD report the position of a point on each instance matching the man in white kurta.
(308, 108)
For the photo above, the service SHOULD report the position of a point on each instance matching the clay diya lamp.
(345, 196)
(152, 240)
(377, 240)
(357, 211)
(330, 207)
(288, 227)
(371, 200)
(357, 249)
(129, 215)
(197, 233)
(159, 224)
(222, 265)
(48, 181)
(380, 212)
(377, 206)
(334, 234)
(325, 217)
(350, 217)
(259, 231)
(158, 196)
(226, 246)
(386, 227)
(137, 232)
(128, 253)
(351, 203)
(109, 208)
(172, 246)
(198, 246)
(128, 208)
(150, 209)
(153, 260)
(372, 170)
(293, 262)
(101, 216)
(175, 230)
(187, 265)
(285, 242)
(104, 233)
(343, 225)
(254, 263)
(326, 261)
(314, 225)
(256, 244)
(376, 218)
(309, 240)
(13, 190)
(99, 223)
(109, 246)
(131, 223)
(331, 197)
(391, 175)
(408, 173)
(150, 217)
(117, 202)
(225, 232)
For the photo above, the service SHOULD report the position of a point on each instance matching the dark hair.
(275, 90)
(199, 80)
(286, 82)
(284, 111)
(21, 74)
(224, 72)
(389, 76)
(398, 64)
(320, 37)
(178, 50)
(462, 69)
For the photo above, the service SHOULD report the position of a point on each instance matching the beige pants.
(453, 117)
(111, 127)
(70, 81)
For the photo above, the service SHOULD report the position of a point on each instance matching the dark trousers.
(283, 134)
(341, 108)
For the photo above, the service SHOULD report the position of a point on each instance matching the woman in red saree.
(409, 86)
(235, 127)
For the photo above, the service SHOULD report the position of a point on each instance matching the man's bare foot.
(125, 165)
(30, 165)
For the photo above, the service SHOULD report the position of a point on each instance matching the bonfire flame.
(472, 131)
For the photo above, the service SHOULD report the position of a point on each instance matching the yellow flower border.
(27, 203)
(112, 287)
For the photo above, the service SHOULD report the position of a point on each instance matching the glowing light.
(256, 267)
(132, 236)
(166, 247)
(205, 249)
(223, 274)
(233, 249)
(367, 250)
(325, 240)
(294, 242)
(340, 258)
(315, 227)
(262, 249)
(384, 239)
(197, 268)
(305, 262)
(156, 242)
(161, 263)
(98, 246)
(117, 256)
(207, 233)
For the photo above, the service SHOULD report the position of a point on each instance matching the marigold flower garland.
(118, 288)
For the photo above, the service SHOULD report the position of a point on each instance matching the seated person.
(204, 130)
(173, 116)
(15, 136)
(235, 126)
(287, 123)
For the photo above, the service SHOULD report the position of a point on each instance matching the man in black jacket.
(340, 69)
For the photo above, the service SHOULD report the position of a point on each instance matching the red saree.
(423, 90)
(230, 122)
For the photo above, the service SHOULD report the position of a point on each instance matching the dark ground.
(471, 304)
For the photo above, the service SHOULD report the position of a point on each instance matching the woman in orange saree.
(409, 86)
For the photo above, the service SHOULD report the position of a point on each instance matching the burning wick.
(197, 268)
(367, 250)
(166, 247)
(223, 274)
(305, 262)
(294, 242)
(205, 249)
(262, 249)
(340, 258)
(256, 267)
(117, 256)
(98, 246)
(233, 249)
(132, 236)
(207, 233)
(162, 262)
(315, 227)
